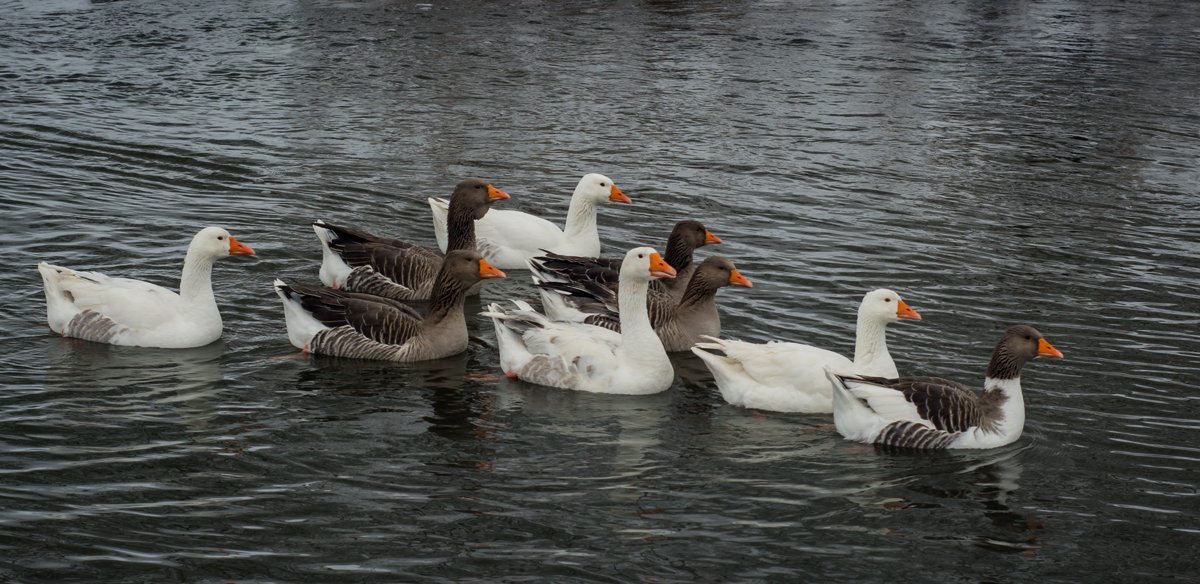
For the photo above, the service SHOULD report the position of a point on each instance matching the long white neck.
(581, 221)
(195, 284)
(871, 355)
(637, 335)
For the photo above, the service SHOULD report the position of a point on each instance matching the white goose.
(507, 239)
(580, 356)
(122, 311)
(790, 377)
(934, 413)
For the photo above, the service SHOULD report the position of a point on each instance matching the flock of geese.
(606, 325)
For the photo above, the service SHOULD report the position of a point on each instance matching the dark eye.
(887, 299)
(641, 256)
(221, 237)
(603, 184)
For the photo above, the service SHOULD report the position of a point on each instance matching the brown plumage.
(678, 323)
(358, 261)
(685, 238)
(346, 324)
(931, 412)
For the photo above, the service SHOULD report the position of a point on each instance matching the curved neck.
(699, 293)
(635, 320)
(581, 219)
(870, 340)
(195, 284)
(678, 254)
(446, 299)
(460, 227)
(1004, 365)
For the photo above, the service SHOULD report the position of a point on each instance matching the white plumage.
(586, 357)
(122, 311)
(507, 239)
(790, 377)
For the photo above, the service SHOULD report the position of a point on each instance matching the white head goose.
(356, 261)
(579, 356)
(679, 323)
(509, 238)
(121, 311)
(790, 377)
(362, 326)
(935, 413)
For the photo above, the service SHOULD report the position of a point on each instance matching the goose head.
(468, 267)
(643, 264)
(598, 188)
(216, 243)
(475, 196)
(719, 271)
(885, 306)
(1019, 344)
(692, 234)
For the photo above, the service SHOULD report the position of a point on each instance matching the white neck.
(581, 220)
(195, 284)
(638, 339)
(871, 355)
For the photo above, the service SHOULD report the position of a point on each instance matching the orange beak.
(616, 196)
(710, 239)
(659, 268)
(487, 270)
(495, 194)
(905, 311)
(1045, 350)
(238, 248)
(737, 279)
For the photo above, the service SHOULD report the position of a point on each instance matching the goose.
(122, 311)
(934, 413)
(685, 238)
(334, 322)
(583, 357)
(357, 261)
(678, 323)
(509, 238)
(790, 377)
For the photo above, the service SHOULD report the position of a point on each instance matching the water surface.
(995, 163)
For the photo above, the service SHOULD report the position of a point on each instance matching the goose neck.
(870, 340)
(460, 228)
(195, 283)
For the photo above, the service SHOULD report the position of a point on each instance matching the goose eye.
(887, 299)
(640, 256)
(221, 237)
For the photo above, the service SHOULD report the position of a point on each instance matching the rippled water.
(996, 163)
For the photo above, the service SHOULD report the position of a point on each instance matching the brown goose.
(935, 413)
(679, 324)
(685, 238)
(361, 326)
(356, 261)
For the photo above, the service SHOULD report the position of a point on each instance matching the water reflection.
(106, 385)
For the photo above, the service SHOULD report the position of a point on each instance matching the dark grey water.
(995, 162)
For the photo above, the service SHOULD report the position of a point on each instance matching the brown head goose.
(680, 324)
(122, 311)
(509, 238)
(790, 377)
(935, 413)
(685, 238)
(356, 261)
(580, 356)
(345, 324)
